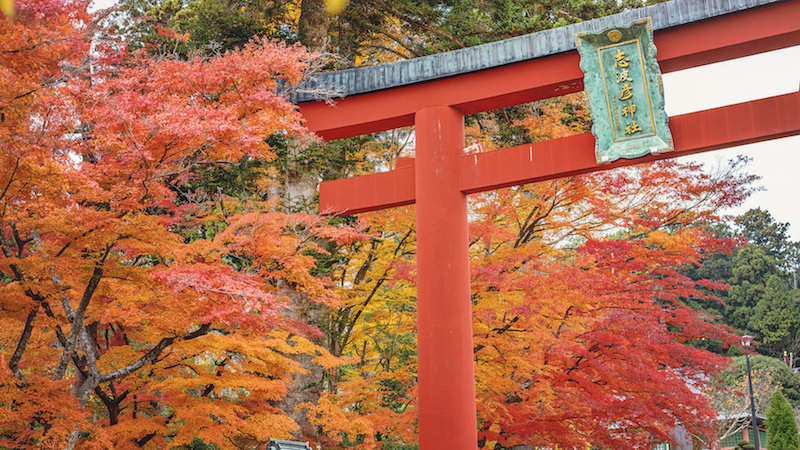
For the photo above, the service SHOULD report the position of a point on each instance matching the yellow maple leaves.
(335, 7)
(8, 8)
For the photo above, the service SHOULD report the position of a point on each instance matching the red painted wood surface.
(441, 177)
(713, 129)
(445, 357)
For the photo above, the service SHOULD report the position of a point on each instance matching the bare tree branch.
(13, 363)
(154, 353)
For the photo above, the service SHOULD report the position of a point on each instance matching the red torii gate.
(441, 175)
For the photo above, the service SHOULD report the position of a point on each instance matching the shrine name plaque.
(624, 91)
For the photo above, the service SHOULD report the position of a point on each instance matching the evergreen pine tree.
(777, 317)
(781, 427)
(752, 267)
(745, 445)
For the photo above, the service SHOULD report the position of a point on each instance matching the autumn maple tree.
(140, 308)
(582, 336)
(144, 299)
(729, 395)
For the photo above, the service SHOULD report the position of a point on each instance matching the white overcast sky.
(759, 76)
(740, 80)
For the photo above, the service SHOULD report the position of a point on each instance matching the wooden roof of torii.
(687, 33)
(367, 79)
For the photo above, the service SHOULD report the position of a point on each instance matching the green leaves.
(781, 426)
(777, 315)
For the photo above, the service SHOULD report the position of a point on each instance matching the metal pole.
(752, 405)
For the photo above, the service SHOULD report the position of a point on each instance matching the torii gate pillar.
(434, 93)
(444, 313)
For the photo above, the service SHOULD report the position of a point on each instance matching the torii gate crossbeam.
(441, 176)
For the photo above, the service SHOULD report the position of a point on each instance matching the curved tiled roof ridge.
(366, 79)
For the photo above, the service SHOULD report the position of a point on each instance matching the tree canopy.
(152, 263)
(139, 311)
(781, 426)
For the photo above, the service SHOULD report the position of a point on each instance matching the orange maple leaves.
(579, 327)
(124, 323)
(136, 313)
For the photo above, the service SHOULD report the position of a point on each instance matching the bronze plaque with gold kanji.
(625, 92)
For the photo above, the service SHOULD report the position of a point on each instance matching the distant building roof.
(275, 444)
(740, 416)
